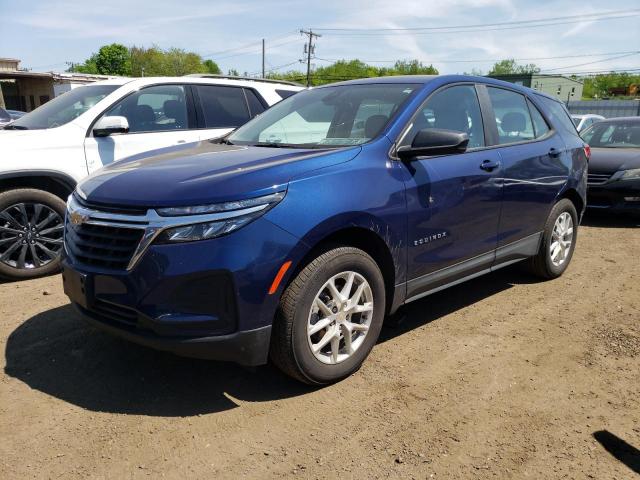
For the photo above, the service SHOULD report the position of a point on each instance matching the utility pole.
(309, 48)
(263, 59)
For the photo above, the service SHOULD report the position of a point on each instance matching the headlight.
(229, 216)
(221, 207)
(629, 174)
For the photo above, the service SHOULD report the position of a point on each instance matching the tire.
(543, 264)
(18, 208)
(291, 346)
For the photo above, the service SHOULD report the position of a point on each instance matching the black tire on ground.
(541, 265)
(290, 350)
(34, 196)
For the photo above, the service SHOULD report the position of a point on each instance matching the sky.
(44, 34)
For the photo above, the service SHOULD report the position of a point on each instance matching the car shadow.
(610, 220)
(56, 353)
(447, 301)
(621, 450)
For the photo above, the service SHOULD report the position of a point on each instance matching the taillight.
(587, 151)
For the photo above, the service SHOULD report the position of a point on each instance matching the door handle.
(554, 152)
(489, 165)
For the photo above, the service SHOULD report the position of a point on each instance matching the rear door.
(535, 168)
(159, 116)
(453, 201)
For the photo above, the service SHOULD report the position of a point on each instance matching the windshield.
(4, 115)
(335, 116)
(64, 108)
(613, 135)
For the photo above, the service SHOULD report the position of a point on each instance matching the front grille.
(597, 178)
(101, 245)
(110, 208)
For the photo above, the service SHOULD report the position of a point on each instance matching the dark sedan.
(614, 168)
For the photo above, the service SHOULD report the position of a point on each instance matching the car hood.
(610, 160)
(204, 172)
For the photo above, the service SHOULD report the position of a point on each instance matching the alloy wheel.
(340, 317)
(561, 239)
(31, 235)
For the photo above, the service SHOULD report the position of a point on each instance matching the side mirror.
(109, 125)
(434, 141)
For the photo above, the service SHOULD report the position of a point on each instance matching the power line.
(591, 63)
(482, 30)
(278, 67)
(247, 45)
(487, 60)
(583, 17)
(257, 50)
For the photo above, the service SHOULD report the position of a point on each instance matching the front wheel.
(329, 317)
(31, 233)
(558, 241)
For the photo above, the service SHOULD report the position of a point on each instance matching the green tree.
(211, 67)
(413, 67)
(604, 85)
(233, 72)
(510, 67)
(147, 62)
(89, 66)
(113, 59)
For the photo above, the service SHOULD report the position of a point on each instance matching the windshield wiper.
(15, 127)
(275, 145)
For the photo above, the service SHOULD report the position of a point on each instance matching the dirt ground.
(501, 377)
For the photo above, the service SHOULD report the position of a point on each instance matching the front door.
(453, 201)
(158, 116)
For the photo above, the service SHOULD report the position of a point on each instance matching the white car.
(46, 152)
(583, 121)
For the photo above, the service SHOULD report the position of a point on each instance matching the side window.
(539, 124)
(223, 107)
(558, 115)
(454, 108)
(154, 109)
(255, 105)
(512, 116)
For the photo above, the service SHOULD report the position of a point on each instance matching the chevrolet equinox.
(293, 237)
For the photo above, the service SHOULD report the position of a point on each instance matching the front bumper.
(206, 299)
(250, 348)
(615, 195)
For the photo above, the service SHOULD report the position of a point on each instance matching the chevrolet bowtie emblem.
(77, 218)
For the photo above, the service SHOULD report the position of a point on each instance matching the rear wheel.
(558, 241)
(31, 233)
(329, 317)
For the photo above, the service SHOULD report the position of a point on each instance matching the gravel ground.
(501, 377)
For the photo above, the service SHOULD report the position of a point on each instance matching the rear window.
(224, 107)
(255, 105)
(558, 115)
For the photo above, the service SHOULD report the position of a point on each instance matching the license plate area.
(76, 286)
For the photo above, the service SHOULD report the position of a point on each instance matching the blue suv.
(294, 237)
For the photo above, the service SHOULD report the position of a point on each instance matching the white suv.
(46, 152)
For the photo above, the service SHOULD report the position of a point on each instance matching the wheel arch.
(575, 198)
(364, 239)
(60, 184)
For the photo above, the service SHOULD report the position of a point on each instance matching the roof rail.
(252, 79)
